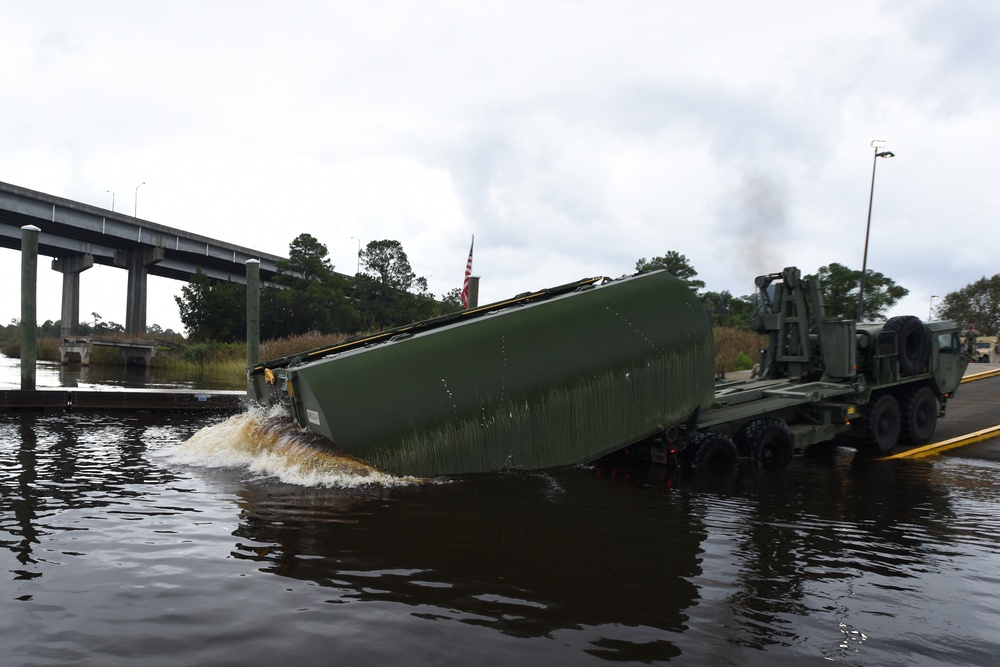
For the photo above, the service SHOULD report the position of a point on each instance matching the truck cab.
(948, 358)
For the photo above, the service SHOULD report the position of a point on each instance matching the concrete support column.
(29, 318)
(136, 262)
(71, 267)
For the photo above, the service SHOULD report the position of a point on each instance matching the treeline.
(97, 326)
(839, 286)
(308, 296)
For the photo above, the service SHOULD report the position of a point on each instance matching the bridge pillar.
(136, 262)
(71, 267)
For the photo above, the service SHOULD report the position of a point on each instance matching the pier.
(77, 400)
(79, 350)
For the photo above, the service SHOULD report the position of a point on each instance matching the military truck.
(570, 374)
(986, 350)
(882, 384)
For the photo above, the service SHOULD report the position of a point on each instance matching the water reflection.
(51, 375)
(24, 500)
(529, 556)
(816, 542)
(59, 462)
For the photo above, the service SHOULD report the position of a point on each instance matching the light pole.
(359, 254)
(135, 201)
(877, 144)
(930, 308)
(112, 201)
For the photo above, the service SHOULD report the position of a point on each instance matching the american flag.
(468, 272)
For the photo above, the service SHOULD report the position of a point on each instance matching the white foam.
(267, 443)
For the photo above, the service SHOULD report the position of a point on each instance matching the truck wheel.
(913, 340)
(713, 451)
(884, 424)
(920, 413)
(767, 441)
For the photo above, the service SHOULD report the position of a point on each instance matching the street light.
(877, 144)
(359, 254)
(930, 308)
(112, 201)
(135, 201)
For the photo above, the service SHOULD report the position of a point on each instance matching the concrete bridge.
(77, 236)
(79, 350)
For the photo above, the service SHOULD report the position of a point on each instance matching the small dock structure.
(77, 350)
(96, 400)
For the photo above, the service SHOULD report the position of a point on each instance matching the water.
(144, 539)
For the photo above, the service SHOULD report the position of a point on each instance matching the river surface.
(173, 539)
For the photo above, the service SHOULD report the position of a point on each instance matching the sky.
(571, 138)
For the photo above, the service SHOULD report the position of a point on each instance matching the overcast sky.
(572, 138)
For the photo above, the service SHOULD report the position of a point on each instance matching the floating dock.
(75, 400)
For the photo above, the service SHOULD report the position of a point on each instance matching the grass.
(737, 349)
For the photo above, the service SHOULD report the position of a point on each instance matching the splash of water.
(268, 443)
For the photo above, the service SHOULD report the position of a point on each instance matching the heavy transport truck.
(567, 375)
(883, 384)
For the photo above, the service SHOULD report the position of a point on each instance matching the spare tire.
(913, 342)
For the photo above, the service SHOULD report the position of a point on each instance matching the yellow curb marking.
(951, 443)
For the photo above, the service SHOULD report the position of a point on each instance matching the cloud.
(571, 138)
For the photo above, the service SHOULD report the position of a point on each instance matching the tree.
(387, 290)
(976, 306)
(102, 328)
(727, 310)
(839, 286)
(306, 296)
(387, 262)
(211, 311)
(307, 261)
(675, 263)
(310, 296)
(451, 302)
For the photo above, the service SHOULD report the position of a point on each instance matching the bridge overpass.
(77, 236)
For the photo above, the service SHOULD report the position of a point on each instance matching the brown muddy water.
(150, 539)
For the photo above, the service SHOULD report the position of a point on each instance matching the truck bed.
(741, 400)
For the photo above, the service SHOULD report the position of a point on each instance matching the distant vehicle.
(986, 351)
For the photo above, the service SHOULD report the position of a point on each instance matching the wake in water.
(268, 443)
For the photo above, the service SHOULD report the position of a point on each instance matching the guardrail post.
(29, 289)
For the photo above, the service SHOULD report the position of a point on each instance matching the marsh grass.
(228, 361)
(735, 349)
(47, 348)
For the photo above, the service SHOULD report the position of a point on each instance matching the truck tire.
(712, 451)
(768, 442)
(884, 424)
(920, 413)
(913, 340)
